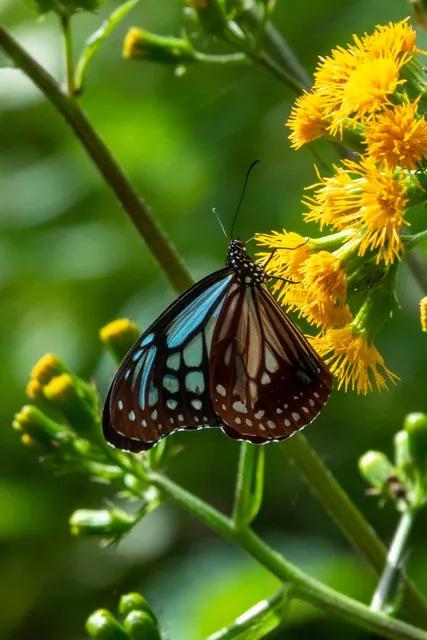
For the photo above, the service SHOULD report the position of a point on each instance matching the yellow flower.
(370, 200)
(383, 203)
(397, 37)
(359, 80)
(397, 137)
(306, 119)
(323, 274)
(368, 89)
(423, 314)
(355, 362)
(320, 297)
(288, 252)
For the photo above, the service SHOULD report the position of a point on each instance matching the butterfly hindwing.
(266, 381)
(163, 383)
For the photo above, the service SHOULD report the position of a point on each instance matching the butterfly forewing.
(266, 382)
(163, 383)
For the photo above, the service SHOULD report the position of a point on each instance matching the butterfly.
(224, 354)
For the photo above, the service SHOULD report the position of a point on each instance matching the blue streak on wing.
(193, 315)
(148, 362)
(146, 340)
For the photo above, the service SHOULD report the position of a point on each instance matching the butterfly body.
(224, 354)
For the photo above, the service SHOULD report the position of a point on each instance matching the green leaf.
(98, 38)
(66, 7)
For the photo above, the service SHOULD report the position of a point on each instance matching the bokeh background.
(70, 261)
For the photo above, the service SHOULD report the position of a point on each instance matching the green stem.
(264, 617)
(105, 162)
(385, 596)
(418, 268)
(274, 41)
(249, 484)
(69, 55)
(304, 586)
(348, 518)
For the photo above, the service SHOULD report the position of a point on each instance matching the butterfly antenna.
(248, 173)
(216, 214)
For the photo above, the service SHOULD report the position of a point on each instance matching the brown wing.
(266, 382)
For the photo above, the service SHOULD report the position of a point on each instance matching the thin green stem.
(263, 617)
(221, 59)
(69, 54)
(105, 162)
(412, 241)
(387, 591)
(304, 586)
(348, 518)
(249, 484)
(417, 266)
(275, 43)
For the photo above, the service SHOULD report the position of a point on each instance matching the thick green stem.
(387, 591)
(348, 518)
(304, 586)
(107, 165)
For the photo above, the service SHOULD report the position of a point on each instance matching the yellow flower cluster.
(369, 97)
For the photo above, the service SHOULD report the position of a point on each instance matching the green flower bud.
(141, 626)
(37, 429)
(104, 626)
(211, 14)
(102, 522)
(376, 469)
(415, 425)
(135, 602)
(401, 450)
(156, 48)
(118, 336)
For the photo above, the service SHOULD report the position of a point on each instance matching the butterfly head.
(248, 271)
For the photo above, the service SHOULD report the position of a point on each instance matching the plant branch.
(304, 586)
(386, 593)
(348, 518)
(107, 165)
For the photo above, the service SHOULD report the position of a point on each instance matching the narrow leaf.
(95, 41)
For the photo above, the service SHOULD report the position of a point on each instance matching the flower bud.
(118, 336)
(141, 626)
(376, 469)
(38, 429)
(102, 522)
(156, 48)
(102, 625)
(423, 314)
(401, 450)
(134, 602)
(415, 425)
(48, 367)
(72, 397)
(211, 14)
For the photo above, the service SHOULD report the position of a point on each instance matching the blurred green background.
(70, 261)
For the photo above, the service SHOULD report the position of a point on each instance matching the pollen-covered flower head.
(354, 82)
(398, 136)
(306, 119)
(369, 199)
(288, 250)
(353, 360)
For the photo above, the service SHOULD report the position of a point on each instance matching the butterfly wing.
(163, 383)
(266, 382)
